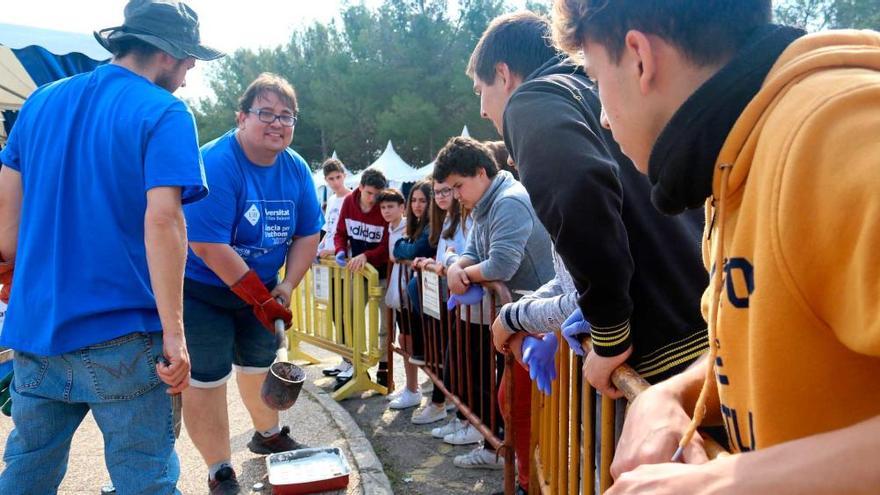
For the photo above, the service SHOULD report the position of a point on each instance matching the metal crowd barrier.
(448, 341)
(338, 310)
(569, 429)
(572, 430)
(565, 433)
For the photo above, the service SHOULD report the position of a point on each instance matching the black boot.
(382, 374)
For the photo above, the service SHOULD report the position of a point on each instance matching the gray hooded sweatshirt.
(508, 239)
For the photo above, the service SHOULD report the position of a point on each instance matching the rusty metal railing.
(448, 350)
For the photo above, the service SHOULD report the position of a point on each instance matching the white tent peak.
(333, 156)
(392, 166)
(429, 168)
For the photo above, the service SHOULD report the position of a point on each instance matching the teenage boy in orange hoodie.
(776, 132)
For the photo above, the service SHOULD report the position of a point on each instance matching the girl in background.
(449, 225)
(415, 244)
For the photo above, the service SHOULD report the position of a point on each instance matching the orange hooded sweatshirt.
(796, 227)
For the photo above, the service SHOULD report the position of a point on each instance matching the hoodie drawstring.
(717, 284)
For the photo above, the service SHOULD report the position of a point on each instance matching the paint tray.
(312, 470)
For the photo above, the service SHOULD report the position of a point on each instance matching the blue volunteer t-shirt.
(88, 149)
(255, 209)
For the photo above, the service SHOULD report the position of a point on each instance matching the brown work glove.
(5, 279)
(252, 291)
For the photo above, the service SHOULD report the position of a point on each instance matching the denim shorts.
(222, 332)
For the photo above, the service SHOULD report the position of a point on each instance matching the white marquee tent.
(392, 166)
(429, 168)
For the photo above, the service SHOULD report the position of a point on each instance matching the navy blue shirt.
(257, 210)
(88, 148)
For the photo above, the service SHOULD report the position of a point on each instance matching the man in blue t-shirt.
(95, 172)
(262, 214)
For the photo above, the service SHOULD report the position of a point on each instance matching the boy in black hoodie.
(641, 298)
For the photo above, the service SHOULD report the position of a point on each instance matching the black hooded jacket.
(638, 272)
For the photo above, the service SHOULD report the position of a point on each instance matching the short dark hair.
(129, 45)
(463, 156)
(500, 155)
(521, 40)
(331, 165)
(390, 195)
(706, 31)
(373, 178)
(268, 83)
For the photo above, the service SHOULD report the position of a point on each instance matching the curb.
(372, 474)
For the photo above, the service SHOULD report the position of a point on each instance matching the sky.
(224, 25)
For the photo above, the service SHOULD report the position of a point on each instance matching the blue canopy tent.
(31, 57)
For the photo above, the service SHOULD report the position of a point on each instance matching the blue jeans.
(117, 381)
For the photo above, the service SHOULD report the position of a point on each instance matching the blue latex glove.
(340, 258)
(473, 295)
(574, 327)
(539, 354)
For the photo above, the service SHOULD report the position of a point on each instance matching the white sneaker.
(393, 395)
(479, 458)
(335, 370)
(452, 426)
(464, 436)
(406, 400)
(346, 373)
(427, 386)
(428, 414)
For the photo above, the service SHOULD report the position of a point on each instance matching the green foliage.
(808, 14)
(542, 7)
(395, 72)
(814, 15)
(861, 14)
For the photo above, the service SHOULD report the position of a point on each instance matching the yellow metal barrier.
(568, 432)
(338, 310)
(564, 433)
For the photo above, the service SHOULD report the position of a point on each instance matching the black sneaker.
(340, 382)
(224, 482)
(279, 442)
(382, 377)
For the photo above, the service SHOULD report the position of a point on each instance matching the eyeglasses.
(443, 193)
(268, 117)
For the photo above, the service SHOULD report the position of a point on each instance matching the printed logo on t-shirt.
(252, 215)
(269, 224)
(363, 231)
(331, 216)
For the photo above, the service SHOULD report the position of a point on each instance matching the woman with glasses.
(449, 225)
(261, 214)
